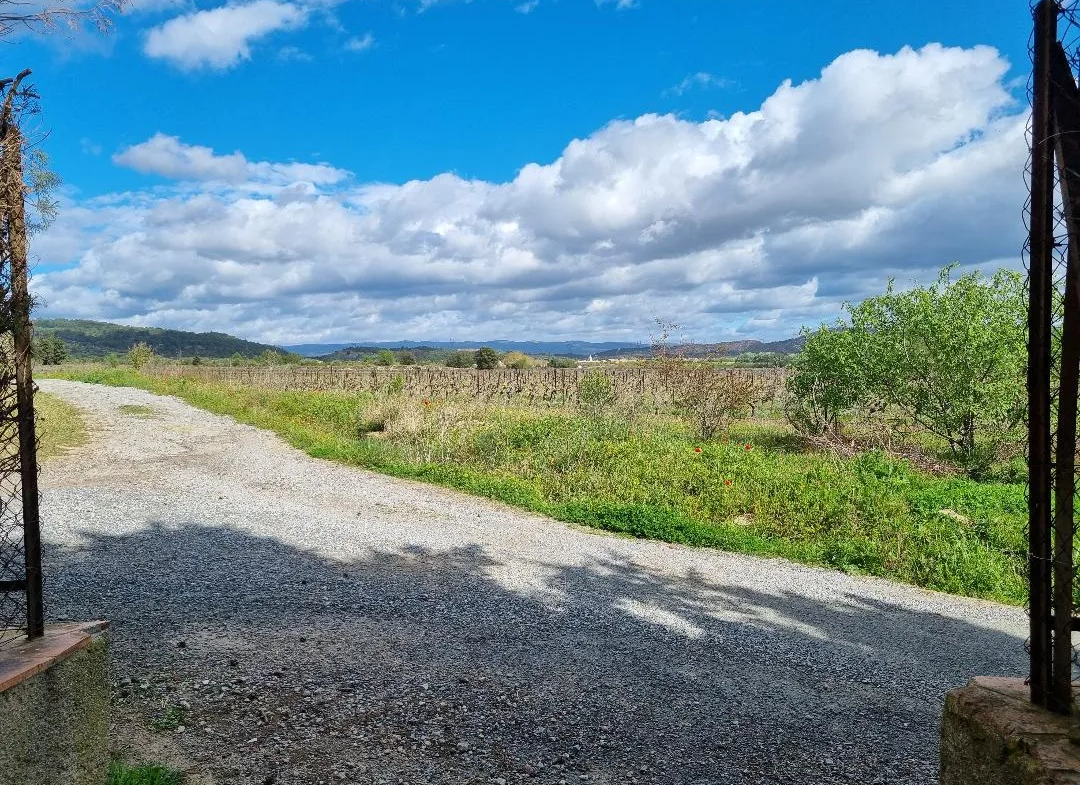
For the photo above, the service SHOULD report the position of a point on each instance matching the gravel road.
(289, 620)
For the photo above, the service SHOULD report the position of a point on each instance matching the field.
(59, 425)
(754, 487)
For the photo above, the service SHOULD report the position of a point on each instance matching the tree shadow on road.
(443, 667)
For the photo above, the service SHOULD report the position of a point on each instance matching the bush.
(486, 358)
(406, 358)
(596, 394)
(951, 357)
(518, 360)
(461, 360)
(562, 362)
(385, 358)
(140, 355)
(49, 350)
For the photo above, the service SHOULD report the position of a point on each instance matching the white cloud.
(168, 157)
(360, 43)
(702, 79)
(754, 223)
(220, 37)
(527, 7)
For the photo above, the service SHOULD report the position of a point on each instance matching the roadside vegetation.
(60, 426)
(892, 451)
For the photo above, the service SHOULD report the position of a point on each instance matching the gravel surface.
(288, 620)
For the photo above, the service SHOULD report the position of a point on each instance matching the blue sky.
(182, 138)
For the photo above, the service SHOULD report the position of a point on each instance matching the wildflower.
(427, 403)
(749, 447)
(727, 482)
(697, 449)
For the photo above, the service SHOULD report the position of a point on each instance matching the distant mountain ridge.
(558, 348)
(87, 339)
(599, 350)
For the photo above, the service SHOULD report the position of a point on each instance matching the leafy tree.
(140, 355)
(486, 358)
(406, 358)
(518, 360)
(385, 357)
(950, 356)
(827, 382)
(562, 362)
(49, 350)
(236, 360)
(461, 360)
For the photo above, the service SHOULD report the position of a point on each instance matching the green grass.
(136, 410)
(60, 426)
(649, 477)
(120, 773)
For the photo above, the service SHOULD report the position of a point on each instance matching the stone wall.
(54, 701)
(991, 734)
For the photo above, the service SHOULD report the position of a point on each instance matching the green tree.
(270, 357)
(406, 358)
(950, 356)
(140, 355)
(385, 357)
(486, 358)
(461, 360)
(827, 382)
(562, 362)
(49, 350)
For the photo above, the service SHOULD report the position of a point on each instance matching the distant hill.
(724, 348)
(535, 348)
(88, 339)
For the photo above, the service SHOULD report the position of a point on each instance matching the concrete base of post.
(992, 733)
(54, 701)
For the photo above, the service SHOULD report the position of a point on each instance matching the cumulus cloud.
(168, 157)
(884, 165)
(220, 38)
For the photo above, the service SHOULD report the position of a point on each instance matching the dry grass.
(60, 426)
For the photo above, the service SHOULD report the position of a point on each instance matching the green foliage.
(596, 394)
(88, 339)
(385, 358)
(827, 382)
(120, 773)
(754, 492)
(397, 384)
(461, 360)
(950, 357)
(49, 349)
(518, 360)
(140, 355)
(406, 358)
(562, 362)
(486, 358)
(112, 360)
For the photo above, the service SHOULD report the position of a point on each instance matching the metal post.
(1040, 282)
(1065, 98)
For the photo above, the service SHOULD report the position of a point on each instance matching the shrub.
(406, 358)
(461, 360)
(562, 362)
(518, 360)
(385, 358)
(486, 358)
(596, 394)
(140, 355)
(950, 357)
(49, 350)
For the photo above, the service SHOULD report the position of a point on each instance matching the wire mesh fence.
(21, 611)
(1052, 258)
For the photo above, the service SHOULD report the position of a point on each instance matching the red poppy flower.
(727, 482)
(749, 447)
(697, 449)
(427, 403)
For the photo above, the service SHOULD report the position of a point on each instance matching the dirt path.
(305, 622)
